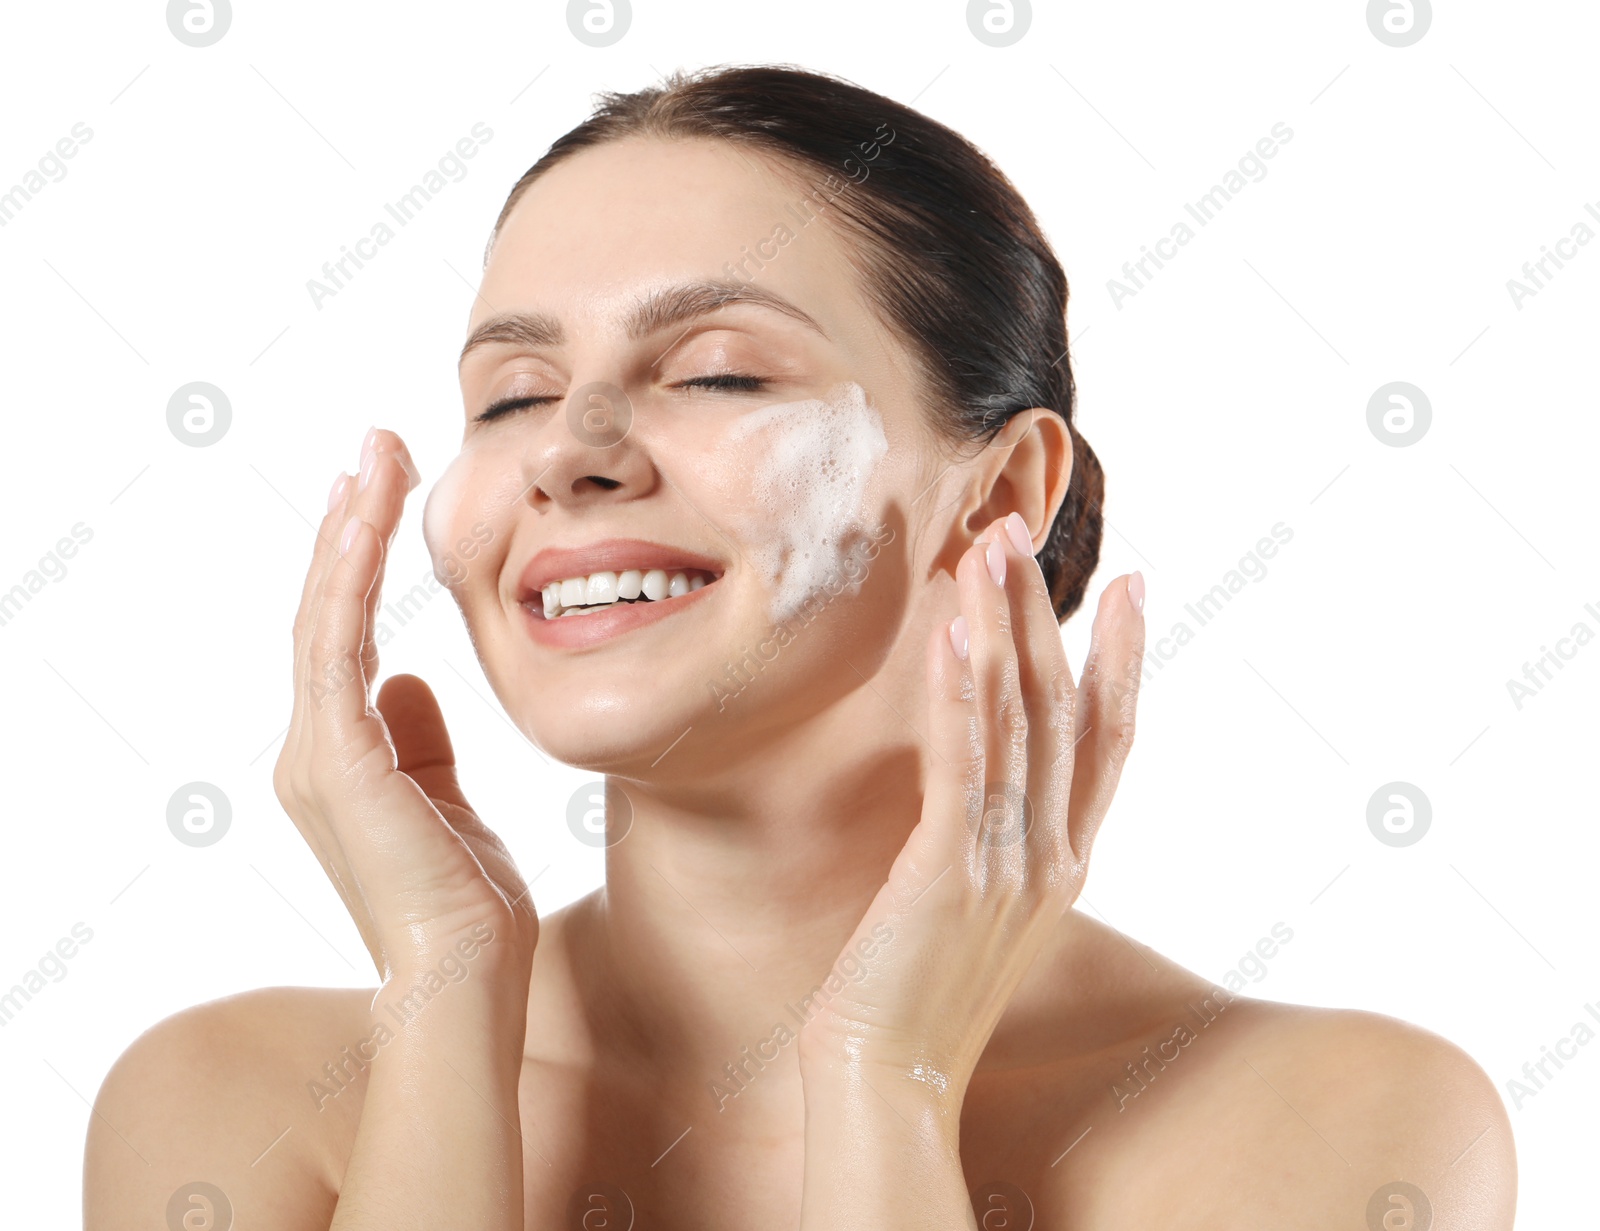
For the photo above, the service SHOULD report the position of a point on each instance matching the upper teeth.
(575, 594)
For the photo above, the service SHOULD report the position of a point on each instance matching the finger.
(350, 496)
(1049, 700)
(326, 560)
(425, 755)
(953, 794)
(423, 752)
(421, 740)
(310, 685)
(340, 725)
(343, 742)
(322, 551)
(1109, 695)
(1003, 720)
(341, 566)
(345, 486)
(385, 477)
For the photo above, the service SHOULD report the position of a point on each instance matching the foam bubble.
(810, 480)
(441, 512)
(471, 506)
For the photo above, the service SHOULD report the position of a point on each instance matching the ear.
(1025, 469)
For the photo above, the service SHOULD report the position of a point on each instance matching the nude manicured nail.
(367, 467)
(337, 494)
(348, 538)
(1018, 530)
(366, 441)
(958, 637)
(995, 556)
(1136, 590)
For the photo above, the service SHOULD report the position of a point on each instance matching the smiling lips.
(611, 576)
(576, 595)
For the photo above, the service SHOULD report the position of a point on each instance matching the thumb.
(422, 747)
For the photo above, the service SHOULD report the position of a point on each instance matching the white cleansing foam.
(443, 504)
(810, 465)
(492, 486)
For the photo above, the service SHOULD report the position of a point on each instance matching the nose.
(588, 453)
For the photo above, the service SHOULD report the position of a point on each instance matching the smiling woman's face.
(773, 446)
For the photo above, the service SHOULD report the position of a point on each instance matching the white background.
(1228, 395)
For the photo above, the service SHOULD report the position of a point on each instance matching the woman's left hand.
(1026, 762)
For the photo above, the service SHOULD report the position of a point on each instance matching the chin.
(617, 725)
(606, 745)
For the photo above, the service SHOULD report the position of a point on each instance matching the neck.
(728, 902)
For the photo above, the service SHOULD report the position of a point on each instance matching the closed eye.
(506, 405)
(724, 380)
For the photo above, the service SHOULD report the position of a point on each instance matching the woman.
(768, 506)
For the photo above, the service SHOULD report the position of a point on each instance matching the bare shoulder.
(1197, 1107)
(1347, 1116)
(220, 1103)
(1410, 1084)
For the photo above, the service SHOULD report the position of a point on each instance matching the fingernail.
(366, 441)
(337, 494)
(995, 555)
(351, 529)
(1018, 530)
(367, 467)
(958, 637)
(414, 479)
(1136, 590)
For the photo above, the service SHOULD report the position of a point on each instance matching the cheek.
(805, 471)
(467, 510)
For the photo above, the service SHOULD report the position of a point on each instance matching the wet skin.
(991, 1038)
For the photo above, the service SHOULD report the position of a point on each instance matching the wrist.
(892, 1099)
(432, 1049)
(836, 1059)
(459, 951)
(882, 1149)
(452, 1003)
(481, 963)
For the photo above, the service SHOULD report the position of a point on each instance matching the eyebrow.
(655, 312)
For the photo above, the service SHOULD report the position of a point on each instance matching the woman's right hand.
(374, 791)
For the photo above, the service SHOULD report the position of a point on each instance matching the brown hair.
(955, 260)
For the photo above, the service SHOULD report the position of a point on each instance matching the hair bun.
(1072, 550)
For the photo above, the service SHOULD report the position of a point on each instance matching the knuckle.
(327, 639)
(289, 785)
(1079, 843)
(969, 770)
(1047, 871)
(1070, 873)
(1125, 703)
(1060, 701)
(329, 669)
(1117, 724)
(282, 785)
(1060, 691)
(320, 791)
(319, 646)
(1011, 718)
(1119, 736)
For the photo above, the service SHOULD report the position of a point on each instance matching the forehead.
(631, 215)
